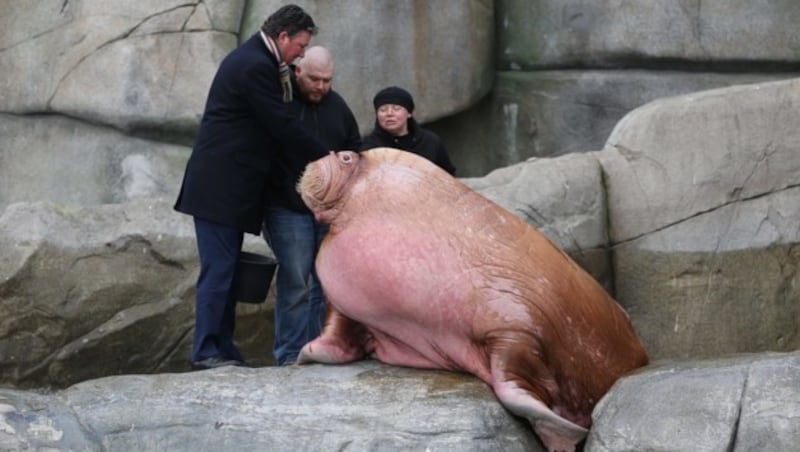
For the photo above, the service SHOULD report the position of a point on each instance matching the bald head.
(316, 57)
(314, 74)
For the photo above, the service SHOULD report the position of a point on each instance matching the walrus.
(421, 271)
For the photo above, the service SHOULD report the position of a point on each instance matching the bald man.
(289, 227)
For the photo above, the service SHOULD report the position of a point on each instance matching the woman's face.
(393, 119)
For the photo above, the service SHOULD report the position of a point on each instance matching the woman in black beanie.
(396, 128)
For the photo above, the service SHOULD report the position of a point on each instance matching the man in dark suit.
(245, 127)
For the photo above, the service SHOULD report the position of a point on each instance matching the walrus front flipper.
(342, 341)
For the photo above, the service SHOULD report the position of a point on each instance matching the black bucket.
(253, 277)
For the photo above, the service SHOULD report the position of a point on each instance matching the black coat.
(420, 141)
(332, 122)
(245, 126)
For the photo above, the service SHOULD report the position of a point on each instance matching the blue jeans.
(215, 309)
(295, 237)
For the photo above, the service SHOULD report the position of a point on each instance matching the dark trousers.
(215, 308)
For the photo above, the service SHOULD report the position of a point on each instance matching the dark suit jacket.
(245, 126)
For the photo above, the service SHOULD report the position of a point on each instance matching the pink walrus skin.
(421, 271)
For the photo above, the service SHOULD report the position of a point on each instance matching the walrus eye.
(345, 157)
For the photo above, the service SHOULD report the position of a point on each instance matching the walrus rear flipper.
(557, 433)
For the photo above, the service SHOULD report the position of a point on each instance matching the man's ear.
(283, 36)
(297, 70)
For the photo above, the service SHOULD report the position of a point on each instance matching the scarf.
(284, 72)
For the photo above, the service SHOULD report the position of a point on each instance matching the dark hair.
(289, 18)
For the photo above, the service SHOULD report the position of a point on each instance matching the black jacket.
(330, 121)
(420, 141)
(244, 127)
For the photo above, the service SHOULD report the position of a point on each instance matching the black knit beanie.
(394, 95)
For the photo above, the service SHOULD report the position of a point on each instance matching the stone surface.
(721, 282)
(679, 157)
(145, 69)
(137, 66)
(550, 112)
(103, 291)
(699, 192)
(361, 406)
(703, 214)
(661, 33)
(739, 403)
(441, 52)
(72, 163)
(735, 404)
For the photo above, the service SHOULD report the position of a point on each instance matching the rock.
(567, 71)
(72, 163)
(442, 56)
(547, 113)
(103, 291)
(679, 157)
(738, 403)
(134, 66)
(663, 33)
(721, 282)
(735, 404)
(145, 69)
(360, 406)
(703, 218)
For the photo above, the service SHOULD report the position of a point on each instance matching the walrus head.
(324, 182)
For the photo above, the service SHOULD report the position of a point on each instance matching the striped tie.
(285, 75)
(284, 72)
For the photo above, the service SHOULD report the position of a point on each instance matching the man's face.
(314, 81)
(293, 47)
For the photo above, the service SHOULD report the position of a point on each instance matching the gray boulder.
(743, 403)
(731, 404)
(361, 406)
(568, 70)
(702, 206)
(442, 52)
(536, 33)
(145, 68)
(548, 113)
(137, 66)
(73, 163)
(102, 291)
